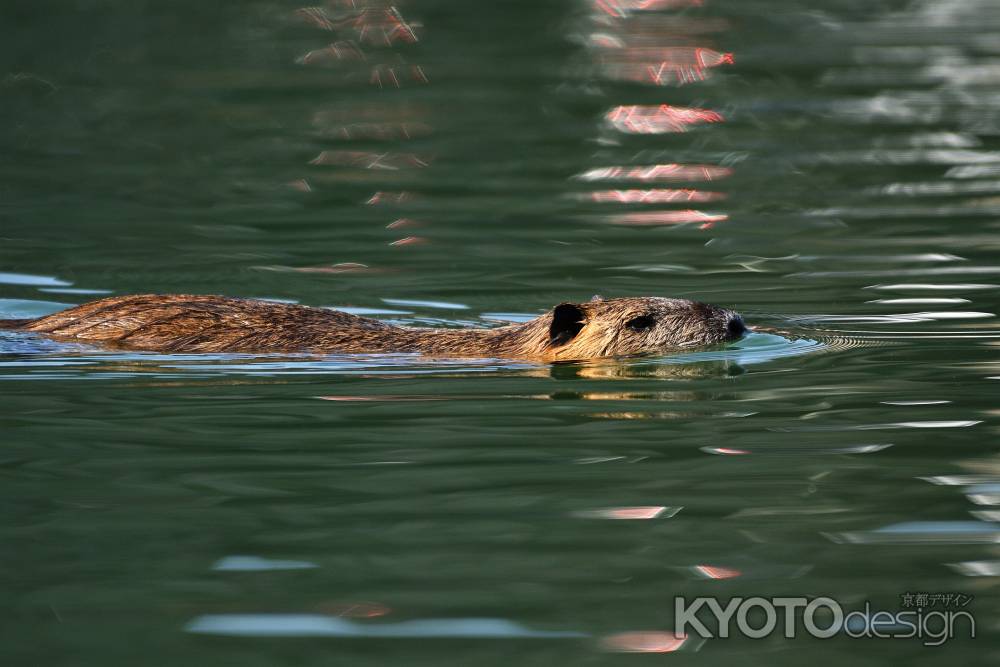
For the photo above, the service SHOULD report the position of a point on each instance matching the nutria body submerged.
(570, 331)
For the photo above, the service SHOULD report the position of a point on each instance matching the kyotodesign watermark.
(824, 617)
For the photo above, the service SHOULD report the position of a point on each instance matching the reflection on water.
(639, 44)
(300, 625)
(829, 170)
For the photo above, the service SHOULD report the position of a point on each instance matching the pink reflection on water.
(656, 196)
(656, 31)
(643, 642)
(336, 52)
(621, 8)
(663, 66)
(651, 218)
(651, 119)
(382, 27)
(381, 131)
(410, 240)
(627, 513)
(714, 572)
(394, 76)
(641, 41)
(727, 451)
(382, 198)
(315, 16)
(360, 29)
(381, 398)
(374, 23)
(657, 172)
(369, 160)
(343, 267)
(402, 222)
(370, 119)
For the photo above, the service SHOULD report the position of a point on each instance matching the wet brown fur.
(186, 323)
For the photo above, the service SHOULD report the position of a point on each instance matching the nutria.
(570, 331)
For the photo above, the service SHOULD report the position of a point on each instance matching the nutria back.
(570, 331)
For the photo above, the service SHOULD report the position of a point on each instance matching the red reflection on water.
(369, 160)
(657, 196)
(643, 642)
(657, 172)
(713, 572)
(641, 119)
(648, 218)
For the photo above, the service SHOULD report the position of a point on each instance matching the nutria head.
(637, 326)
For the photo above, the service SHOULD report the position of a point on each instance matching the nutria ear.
(567, 321)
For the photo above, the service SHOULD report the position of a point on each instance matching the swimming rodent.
(569, 332)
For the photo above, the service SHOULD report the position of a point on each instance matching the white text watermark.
(820, 617)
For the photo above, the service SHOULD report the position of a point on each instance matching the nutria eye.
(641, 323)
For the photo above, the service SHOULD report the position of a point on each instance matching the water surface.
(831, 172)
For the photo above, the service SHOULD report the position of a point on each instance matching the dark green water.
(838, 181)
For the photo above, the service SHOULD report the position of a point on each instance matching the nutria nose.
(735, 328)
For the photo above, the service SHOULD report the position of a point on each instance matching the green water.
(838, 183)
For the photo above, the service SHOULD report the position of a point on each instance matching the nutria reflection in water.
(571, 331)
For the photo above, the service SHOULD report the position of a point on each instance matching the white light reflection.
(317, 625)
